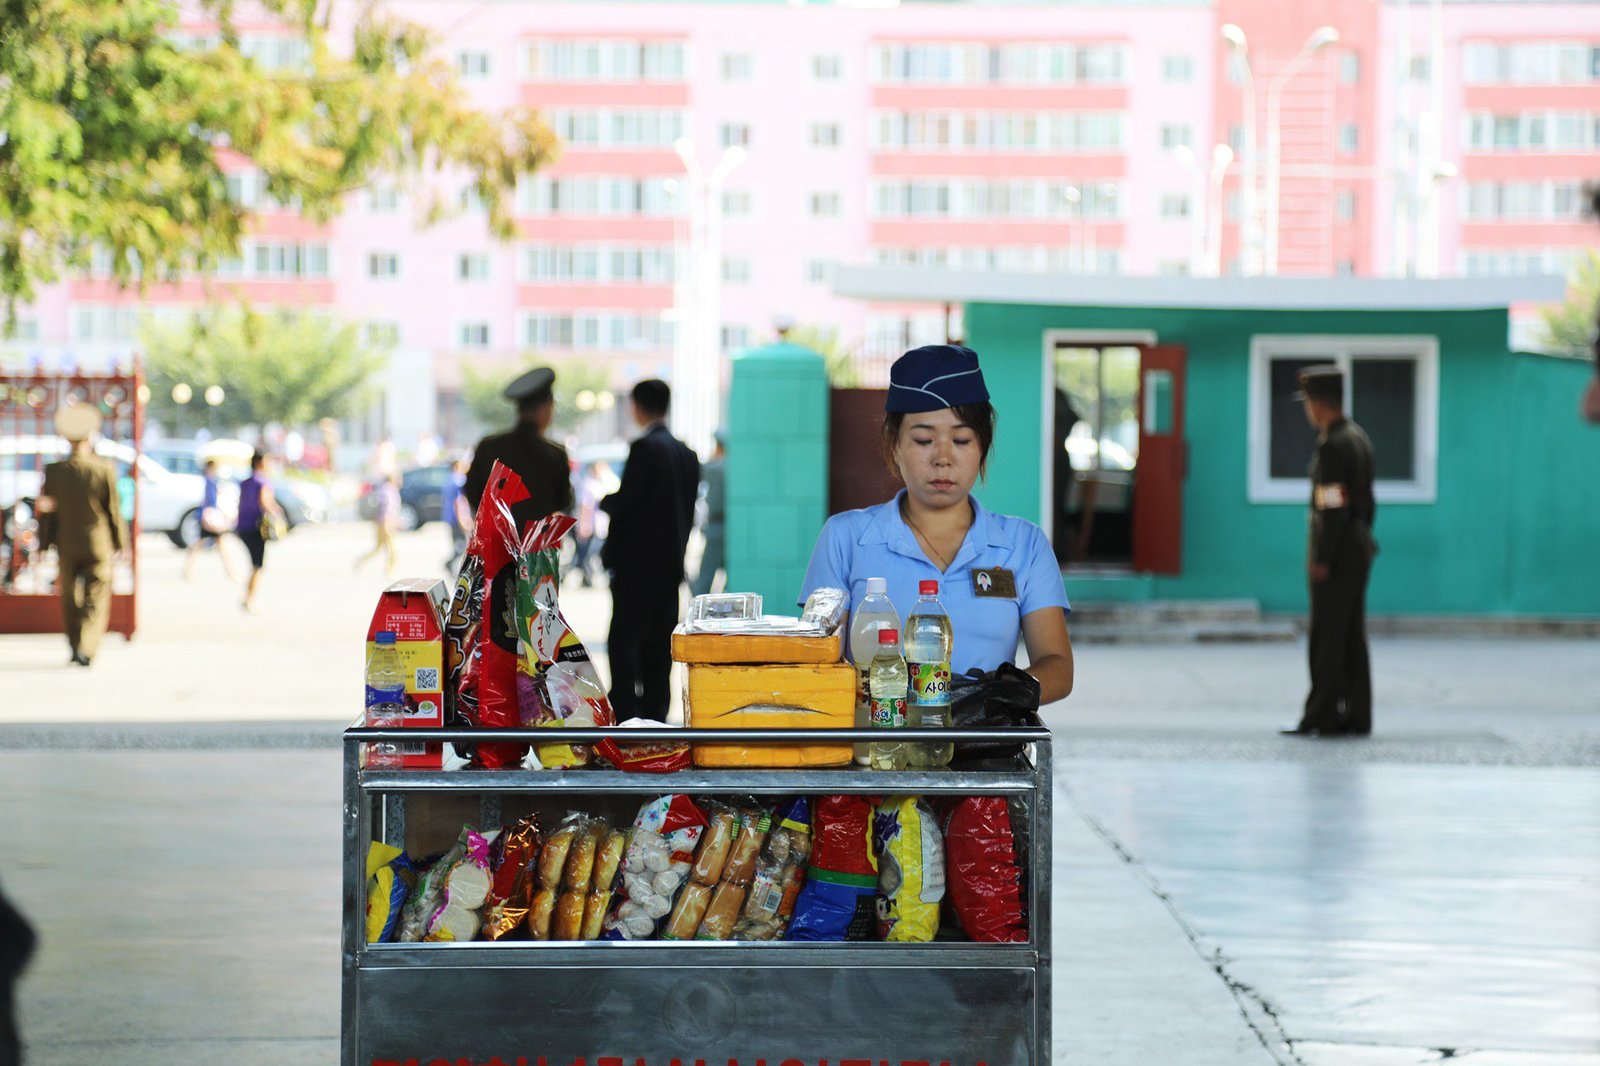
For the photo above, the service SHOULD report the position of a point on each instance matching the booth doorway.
(1117, 456)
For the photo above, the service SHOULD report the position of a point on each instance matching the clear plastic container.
(385, 700)
(929, 640)
(875, 612)
(888, 684)
(722, 606)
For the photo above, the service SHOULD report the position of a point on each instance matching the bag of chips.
(491, 670)
(650, 757)
(556, 681)
(838, 899)
(390, 878)
(985, 877)
(910, 871)
(511, 893)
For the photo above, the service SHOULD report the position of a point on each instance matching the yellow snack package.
(910, 871)
(389, 880)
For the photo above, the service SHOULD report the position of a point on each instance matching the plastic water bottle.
(929, 640)
(888, 687)
(386, 700)
(875, 612)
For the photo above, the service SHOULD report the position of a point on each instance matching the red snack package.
(984, 884)
(494, 658)
(651, 757)
(839, 898)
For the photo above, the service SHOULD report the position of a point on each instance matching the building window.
(1236, 139)
(1177, 69)
(737, 66)
(472, 267)
(735, 337)
(383, 334)
(596, 196)
(606, 127)
(818, 271)
(473, 335)
(1174, 205)
(1345, 268)
(735, 133)
(736, 270)
(648, 264)
(603, 60)
(1172, 268)
(825, 135)
(825, 205)
(1349, 138)
(472, 65)
(1349, 67)
(827, 67)
(383, 266)
(1176, 134)
(737, 203)
(997, 131)
(1033, 63)
(1391, 390)
(595, 330)
(1345, 206)
(383, 199)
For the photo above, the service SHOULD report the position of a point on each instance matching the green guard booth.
(777, 470)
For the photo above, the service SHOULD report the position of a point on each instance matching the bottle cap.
(928, 588)
(887, 636)
(877, 585)
(385, 639)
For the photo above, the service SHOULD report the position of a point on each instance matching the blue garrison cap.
(934, 377)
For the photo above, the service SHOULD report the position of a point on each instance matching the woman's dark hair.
(978, 417)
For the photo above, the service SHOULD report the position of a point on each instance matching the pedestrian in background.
(453, 508)
(716, 525)
(213, 524)
(1339, 561)
(595, 482)
(540, 463)
(260, 518)
(652, 514)
(385, 520)
(80, 514)
(17, 942)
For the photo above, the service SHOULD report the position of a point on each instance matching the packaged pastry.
(514, 876)
(910, 871)
(580, 863)
(569, 916)
(753, 825)
(714, 848)
(466, 886)
(687, 914)
(608, 860)
(648, 757)
(425, 899)
(779, 874)
(541, 914)
(554, 858)
(655, 866)
(722, 914)
(594, 914)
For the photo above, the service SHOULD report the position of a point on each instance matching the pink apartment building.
(1427, 138)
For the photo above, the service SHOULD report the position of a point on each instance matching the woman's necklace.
(926, 541)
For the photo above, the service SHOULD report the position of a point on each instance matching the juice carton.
(414, 610)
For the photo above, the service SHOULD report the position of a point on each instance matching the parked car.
(169, 502)
(421, 496)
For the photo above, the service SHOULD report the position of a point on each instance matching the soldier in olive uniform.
(542, 464)
(81, 516)
(1339, 560)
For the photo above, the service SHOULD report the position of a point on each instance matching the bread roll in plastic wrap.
(569, 917)
(594, 914)
(741, 865)
(541, 913)
(723, 913)
(715, 846)
(554, 859)
(580, 864)
(686, 916)
(607, 860)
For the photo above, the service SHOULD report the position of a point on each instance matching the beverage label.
(379, 697)
(888, 712)
(930, 683)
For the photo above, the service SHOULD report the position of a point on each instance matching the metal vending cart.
(682, 1003)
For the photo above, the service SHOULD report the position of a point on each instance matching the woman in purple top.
(255, 500)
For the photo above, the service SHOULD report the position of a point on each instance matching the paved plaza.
(1222, 894)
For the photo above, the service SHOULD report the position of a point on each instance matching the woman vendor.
(998, 576)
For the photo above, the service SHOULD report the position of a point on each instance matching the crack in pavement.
(1277, 1043)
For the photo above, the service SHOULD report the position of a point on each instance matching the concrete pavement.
(1223, 895)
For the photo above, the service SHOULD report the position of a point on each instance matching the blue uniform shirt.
(876, 542)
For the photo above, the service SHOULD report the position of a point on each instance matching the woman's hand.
(1044, 633)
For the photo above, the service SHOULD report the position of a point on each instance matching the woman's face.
(938, 456)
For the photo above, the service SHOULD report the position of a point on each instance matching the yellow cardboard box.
(786, 696)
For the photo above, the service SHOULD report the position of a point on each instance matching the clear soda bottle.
(888, 689)
(386, 699)
(929, 640)
(874, 613)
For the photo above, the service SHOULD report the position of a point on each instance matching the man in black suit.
(651, 516)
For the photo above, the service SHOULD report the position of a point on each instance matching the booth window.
(1391, 391)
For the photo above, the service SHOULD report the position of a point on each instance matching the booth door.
(1163, 462)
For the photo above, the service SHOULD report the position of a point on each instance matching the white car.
(168, 503)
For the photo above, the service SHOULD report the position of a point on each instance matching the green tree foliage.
(481, 393)
(842, 372)
(1569, 328)
(116, 132)
(288, 367)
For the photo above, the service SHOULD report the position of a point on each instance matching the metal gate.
(30, 599)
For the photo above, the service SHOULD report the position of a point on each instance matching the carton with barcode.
(413, 610)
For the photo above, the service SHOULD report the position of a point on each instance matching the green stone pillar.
(777, 470)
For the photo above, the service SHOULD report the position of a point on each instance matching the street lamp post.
(1250, 205)
(1074, 198)
(1199, 210)
(214, 397)
(181, 395)
(1221, 160)
(698, 356)
(1319, 39)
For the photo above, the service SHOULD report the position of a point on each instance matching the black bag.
(1002, 698)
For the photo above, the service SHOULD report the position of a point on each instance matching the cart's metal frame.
(658, 1003)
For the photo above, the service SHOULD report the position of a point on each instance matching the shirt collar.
(888, 527)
